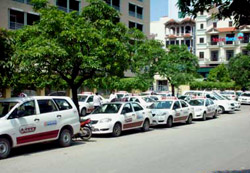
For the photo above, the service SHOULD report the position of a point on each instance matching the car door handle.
(59, 116)
(36, 119)
(143, 112)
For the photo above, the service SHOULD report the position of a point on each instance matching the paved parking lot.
(216, 145)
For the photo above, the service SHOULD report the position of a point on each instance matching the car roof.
(23, 99)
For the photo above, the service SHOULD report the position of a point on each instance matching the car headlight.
(105, 120)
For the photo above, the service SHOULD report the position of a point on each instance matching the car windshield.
(182, 97)
(5, 107)
(228, 93)
(82, 98)
(148, 99)
(108, 109)
(217, 96)
(246, 94)
(197, 102)
(162, 105)
(120, 95)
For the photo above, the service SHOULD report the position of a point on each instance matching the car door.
(140, 114)
(208, 106)
(129, 117)
(185, 109)
(177, 111)
(50, 119)
(25, 123)
(213, 106)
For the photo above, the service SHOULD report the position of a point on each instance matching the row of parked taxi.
(37, 119)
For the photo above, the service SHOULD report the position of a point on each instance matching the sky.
(158, 8)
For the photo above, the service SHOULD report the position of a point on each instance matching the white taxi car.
(171, 111)
(230, 94)
(36, 119)
(145, 101)
(203, 108)
(116, 117)
(86, 104)
(244, 98)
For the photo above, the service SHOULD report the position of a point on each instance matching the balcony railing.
(214, 59)
(140, 16)
(15, 25)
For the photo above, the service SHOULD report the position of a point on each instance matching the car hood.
(159, 111)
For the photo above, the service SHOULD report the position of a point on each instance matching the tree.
(240, 69)
(74, 47)
(226, 9)
(219, 74)
(178, 65)
(6, 64)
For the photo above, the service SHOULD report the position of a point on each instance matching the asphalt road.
(217, 145)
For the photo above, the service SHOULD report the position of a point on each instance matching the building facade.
(14, 14)
(218, 40)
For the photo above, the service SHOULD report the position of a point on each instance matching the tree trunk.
(75, 98)
(172, 87)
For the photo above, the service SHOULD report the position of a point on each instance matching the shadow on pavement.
(234, 171)
(42, 147)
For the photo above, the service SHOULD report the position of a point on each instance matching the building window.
(229, 54)
(172, 42)
(182, 29)
(245, 52)
(177, 42)
(230, 23)
(31, 18)
(167, 43)
(201, 40)
(202, 13)
(215, 24)
(188, 43)
(214, 39)
(16, 20)
(182, 42)
(135, 11)
(229, 38)
(135, 25)
(24, 1)
(68, 5)
(188, 29)
(201, 55)
(178, 31)
(246, 38)
(201, 26)
(214, 55)
(172, 30)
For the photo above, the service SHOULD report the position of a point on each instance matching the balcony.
(15, 25)
(214, 44)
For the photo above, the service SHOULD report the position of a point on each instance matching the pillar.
(7, 93)
(40, 92)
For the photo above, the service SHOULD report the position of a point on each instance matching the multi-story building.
(14, 14)
(218, 40)
(172, 32)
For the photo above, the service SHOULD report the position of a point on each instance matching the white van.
(37, 119)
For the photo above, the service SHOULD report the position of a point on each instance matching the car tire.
(5, 148)
(204, 117)
(189, 120)
(221, 109)
(88, 133)
(215, 114)
(169, 122)
(146, 125)
(65, 138)
(83, 112)
(117, 130)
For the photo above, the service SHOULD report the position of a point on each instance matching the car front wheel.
(145, 126)
(169, 122)
(4, 148)
(117, 130)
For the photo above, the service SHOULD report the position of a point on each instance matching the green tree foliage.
(240, 70)
(219, 74)
(238, 9)
(74, 47)
(179, 66)
(6, 53)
